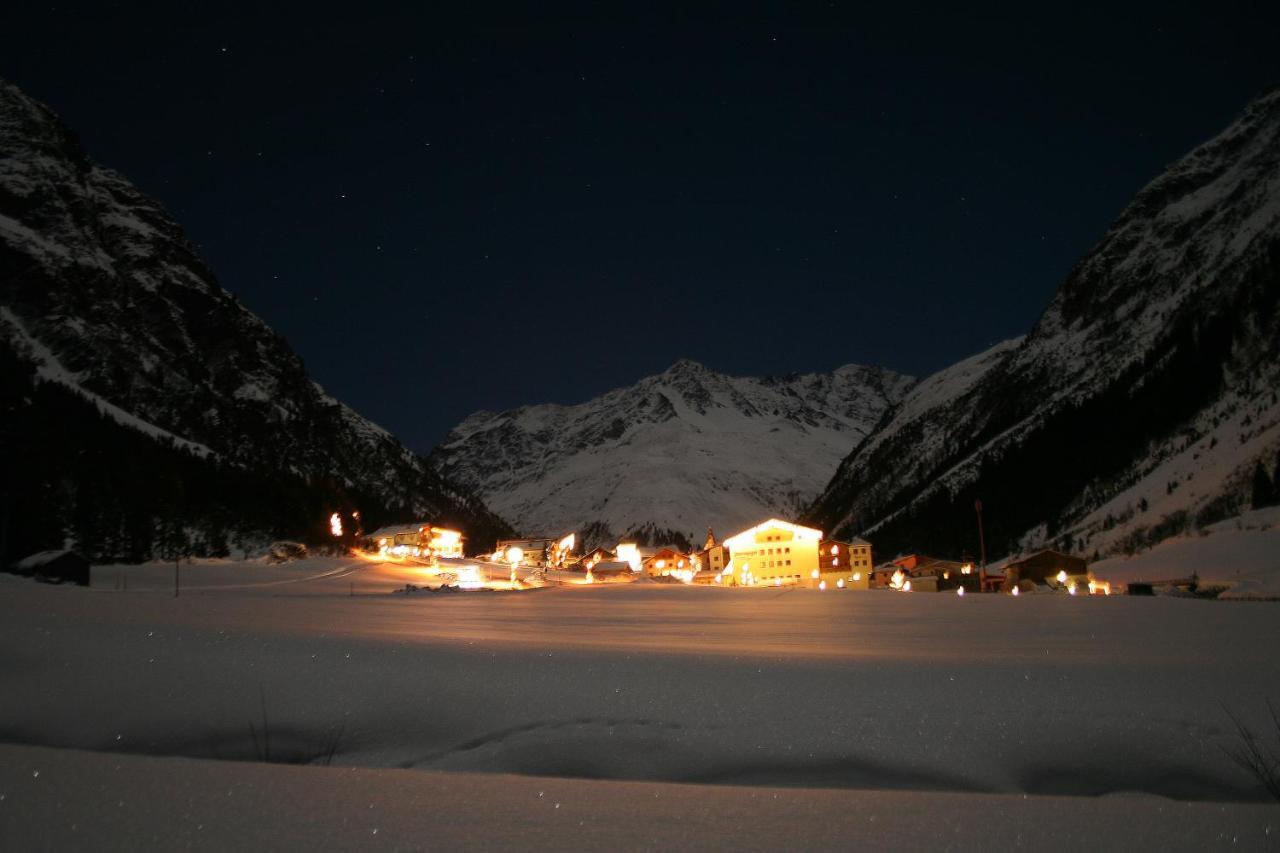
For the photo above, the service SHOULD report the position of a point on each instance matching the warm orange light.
(445, 542)
(835, 549)
(629, 553)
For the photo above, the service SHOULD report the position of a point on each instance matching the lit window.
(835, 549)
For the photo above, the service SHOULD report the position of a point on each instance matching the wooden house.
(667, 562)
(1046, 566)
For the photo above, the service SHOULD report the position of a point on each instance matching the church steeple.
(711, 540)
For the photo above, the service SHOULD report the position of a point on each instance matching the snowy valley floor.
(654, 716)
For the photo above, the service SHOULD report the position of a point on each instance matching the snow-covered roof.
(748, 536)
(611, 566)
(393, 529)
(42, 558)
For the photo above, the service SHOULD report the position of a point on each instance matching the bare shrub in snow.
(1252, 753)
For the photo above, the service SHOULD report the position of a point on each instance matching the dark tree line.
(1266, 487)
(70, 475)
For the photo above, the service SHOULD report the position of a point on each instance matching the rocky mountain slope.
(671, 454)
(102, 295)
(1138, 406)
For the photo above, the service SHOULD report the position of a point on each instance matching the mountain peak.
(680, 450)
(687, 367)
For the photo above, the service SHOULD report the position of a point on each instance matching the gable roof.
(748, 536)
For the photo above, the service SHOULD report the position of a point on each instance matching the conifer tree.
(1263, 487)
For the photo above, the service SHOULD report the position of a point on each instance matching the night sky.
(443, 215)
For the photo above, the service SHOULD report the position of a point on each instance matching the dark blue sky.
(443, 215)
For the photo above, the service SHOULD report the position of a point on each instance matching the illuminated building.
(774, 553)
(417, 540)
(932, 574)
(593, 558)
(538, 552)
(444, 542)
(667, 562)
(713, 557)
(627, 552)
(849, 562)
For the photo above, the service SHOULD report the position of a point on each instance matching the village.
(773, 553)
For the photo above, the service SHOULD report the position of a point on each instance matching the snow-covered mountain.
(671, 454)
(103, 295)
(1138, 406)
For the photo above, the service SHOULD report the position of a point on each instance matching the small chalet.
(539, 552)
(416, 539)
(524, 552)
(593, 558)
(609, 570)
(931, 573)
(54, 567)
(1044, 566)
(666, 562)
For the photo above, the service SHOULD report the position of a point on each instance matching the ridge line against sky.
(443, 215)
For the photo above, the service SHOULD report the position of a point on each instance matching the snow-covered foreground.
(946, 719)
(69, 800)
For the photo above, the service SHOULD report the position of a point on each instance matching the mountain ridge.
(1159, 345)
(104, 294)
(669, 452)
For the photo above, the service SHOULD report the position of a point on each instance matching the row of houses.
(772, 553)
(1047, 569)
